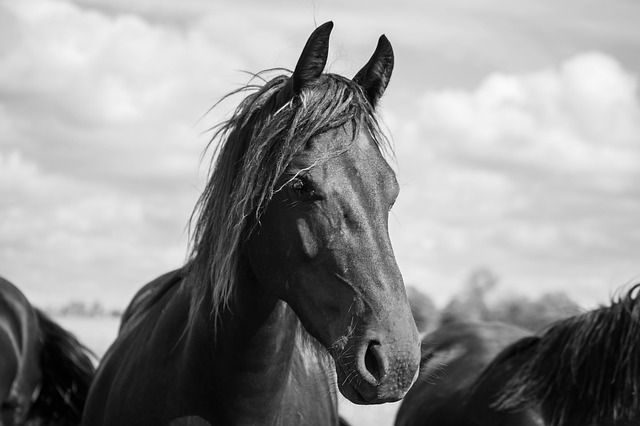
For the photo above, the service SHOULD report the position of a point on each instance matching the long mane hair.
(253, 150)
(584, 370)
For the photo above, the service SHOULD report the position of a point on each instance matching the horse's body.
(453, 357)
(292, 283)
(44, 371)
(582, 371)
(268, 382)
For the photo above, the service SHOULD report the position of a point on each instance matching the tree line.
(472, 303)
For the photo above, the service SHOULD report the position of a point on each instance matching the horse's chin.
(356, 390)
(352, 394)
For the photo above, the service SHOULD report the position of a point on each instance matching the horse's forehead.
(337, 152)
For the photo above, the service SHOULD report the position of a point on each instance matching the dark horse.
(581, 371)
(292, 284)
(45, 372)
(453, 357)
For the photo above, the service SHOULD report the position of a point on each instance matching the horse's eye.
(303, 188)
(297, 184)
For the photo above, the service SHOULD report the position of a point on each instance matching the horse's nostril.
(373, 361)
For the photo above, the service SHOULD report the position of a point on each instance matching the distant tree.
(74, 308)
(423, 309)
(79, 308)
(96, 309)
(470, 304)
(115, 312)
(534, 314)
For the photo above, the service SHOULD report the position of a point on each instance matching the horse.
(453, 357)
(583, 370)
(291, 286)
(45, 371)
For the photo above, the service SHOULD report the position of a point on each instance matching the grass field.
(98, 333)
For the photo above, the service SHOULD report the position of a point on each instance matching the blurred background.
(516, 128)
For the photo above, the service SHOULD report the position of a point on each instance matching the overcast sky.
(516, 128)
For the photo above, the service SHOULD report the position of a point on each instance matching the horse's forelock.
(252, 150)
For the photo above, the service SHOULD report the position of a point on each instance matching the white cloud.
(78, 82)
(99, 147)
(60, 238)
(535, 175)
(100, 143)
(557, 120)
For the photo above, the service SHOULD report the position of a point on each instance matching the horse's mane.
(584, 370)
(253, 150)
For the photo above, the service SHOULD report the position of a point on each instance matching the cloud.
(102, 131)
(89, 83)
(556, 120)
(63, 238)
(528, 172)
(100, 147)
(533, 174)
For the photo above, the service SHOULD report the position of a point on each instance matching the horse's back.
(453, 357)
(19, 349)
(18, 320)
(477, 340)
(131, 373)
(15, 310)
(9, 364)
(148, 294)
(11, 336)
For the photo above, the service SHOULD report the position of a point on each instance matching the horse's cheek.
(308, 239)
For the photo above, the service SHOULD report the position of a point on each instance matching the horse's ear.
(374, 76)
(313, 57)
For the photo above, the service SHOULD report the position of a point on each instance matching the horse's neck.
(264, 361)
(263, 367)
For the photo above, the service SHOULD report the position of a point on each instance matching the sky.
(516, 128)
